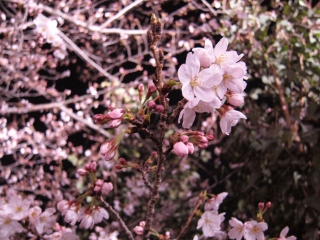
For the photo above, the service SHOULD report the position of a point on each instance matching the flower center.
(221, 59)
(194, 82)
(255, 229)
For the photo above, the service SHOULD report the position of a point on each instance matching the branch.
(120, 13)
(284, 105)
(119, 219)
(185, 227)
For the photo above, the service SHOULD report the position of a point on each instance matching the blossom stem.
(117, 216)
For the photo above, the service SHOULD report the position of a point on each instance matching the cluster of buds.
(184, 143)
(125, 164)
(88, 168)
(262, 209)
(102, 187)
(114, 118)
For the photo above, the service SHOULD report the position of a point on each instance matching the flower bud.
(101, 119)
(93, 166)
(106, 188)
(82, 172)
(99, 182)
(180, 149)
(138, 230)
(235, 99)
(108, 150)
(151, 105)
(116, 113)
(184, 138)
(159, 108)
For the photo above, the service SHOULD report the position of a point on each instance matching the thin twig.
(284, 105)
(120, 13)
(119, 219)
(186, 226)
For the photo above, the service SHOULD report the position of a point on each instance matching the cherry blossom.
(210, 222)
(198, 84)
(214, 203)
(236, 232)
(45, 220)
(254, 230)
(8, 224)
(284, 233)
(19, 208)
(229, 118)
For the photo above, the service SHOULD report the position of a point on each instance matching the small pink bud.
(94, 166)
(184, 138)
(82, 172)
(100, 119)
(116, 113)
(159, 108)
(140, 87)
(99, 182)
(203, 145)
(151, 87)
(268, 205)
(180, 149)
(261, 206)
(97, 189)
(235, 99)
(115, 123)
(142, 223)
(138, 230)
(87, 167)
(106, 188)
(108, 150)
(190, 147)
(151, 105)
(209, 137)
(122, 161)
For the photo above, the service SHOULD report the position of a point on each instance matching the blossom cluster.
(17, 216)
(49, 31)
(210, 77)
(211, 220)
(88, 216)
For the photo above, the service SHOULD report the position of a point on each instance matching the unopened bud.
(151, 105)
(261, 206)
(99, 182)
(106, 188)
(93, 166)
(159, 108)
(101, 119)
(82, 172)
(141, 91)
(122, 161)
(268, 205)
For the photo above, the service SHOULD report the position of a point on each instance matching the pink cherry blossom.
(254, 230)
(106, 188)
(235, 99)
(284, 233)
(180, 149)
(195, 83)
(222, 57)
(9, 225)
(229, 119)
(236, 232)
(116, 113)
(19, 208)
(210, 222)
(46, 220)
(214, 203)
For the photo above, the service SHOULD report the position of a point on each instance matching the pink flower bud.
(101, 119)
(151, 87)
(97, 189)
(261, 206)
(108, 150)
(151, 105)
(159, 108)
(106, 188)
(93, 166)
(184, 138)
(140, 87)
(116, 113)
(235, 99)
(115, 123)
(180, 149)
(142, 224)
(87, 167)
(81, 172)
(99, 182)
(138, 230)
(63, 206)
(190, 147)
